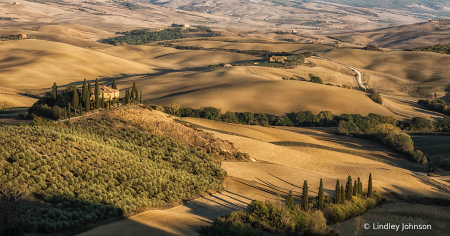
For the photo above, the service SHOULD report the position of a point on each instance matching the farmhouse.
(107, 93)
(22, 36)
(227, 65)
(281, 59)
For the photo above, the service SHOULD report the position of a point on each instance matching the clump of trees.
(372, 47)
(144, 36)
(315, 79)
(289, 219)
(437, 105)
(439, 48)
(375, 96)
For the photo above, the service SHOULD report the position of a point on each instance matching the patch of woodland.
(439, 48)
(145, 36)
(437, 105)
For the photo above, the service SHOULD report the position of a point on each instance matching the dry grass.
(36, 64)
(329, 163)
(170, 58)
(14, 98)
(401, 37)
(405, 70)
(279, 47)
(252, 89)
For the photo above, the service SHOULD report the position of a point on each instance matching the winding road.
(351, 68)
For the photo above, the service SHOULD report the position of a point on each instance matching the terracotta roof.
(104, 89)
(278, 57)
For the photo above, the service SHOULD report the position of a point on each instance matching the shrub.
(317, 223)
(315, 79)
(229, 117)
(376, 96)
(420, 124)
(245, 117)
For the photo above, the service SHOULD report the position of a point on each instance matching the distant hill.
(420, 5)
(400, 37)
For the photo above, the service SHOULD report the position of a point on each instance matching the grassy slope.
(399, 72)
(170, 58)
(279, 47)
(328, 163)
(400, 37)
(254, 89)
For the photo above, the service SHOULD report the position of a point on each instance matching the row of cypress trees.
(341, 194)
(79, 101)
(134, 96)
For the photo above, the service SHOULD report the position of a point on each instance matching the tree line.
(439, 48)
(311, 217)
(385, 130)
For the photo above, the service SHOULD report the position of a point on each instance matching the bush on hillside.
(444, 124)
(437, 105)
(315, 79)
(229, 117)
(376, 96)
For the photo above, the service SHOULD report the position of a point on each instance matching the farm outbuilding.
(281, 59)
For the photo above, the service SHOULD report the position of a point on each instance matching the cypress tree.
(54, 91)
(359, 187)
(87, 104)
(75, 98)
(65, 112)
(114, 84)
(89, 90)
(369, 188)
(127, 97)
(349, 189)
(305, 196)
(81, 111)
(85, 92)
(321, 196)
(337, 193)
(355, 188)
(103, 102)
(97, 94)
(342, 194)
(290, 200)
(134, 92)
(140, 96)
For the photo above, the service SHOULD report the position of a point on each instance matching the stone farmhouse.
(107, 93)
(281, 59)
